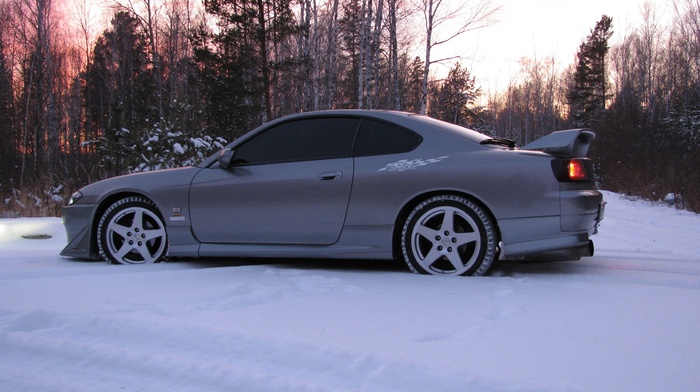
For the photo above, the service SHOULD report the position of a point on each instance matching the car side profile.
(352, 184)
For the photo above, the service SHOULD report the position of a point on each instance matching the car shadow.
(509, 267)
(299, 263)
(524, 267)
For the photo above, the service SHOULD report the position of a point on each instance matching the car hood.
(570, 143)
(144, 182)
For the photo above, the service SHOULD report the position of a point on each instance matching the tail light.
(571, 170)
(577, 170)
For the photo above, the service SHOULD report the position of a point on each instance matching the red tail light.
(571, 170)
(577, 170)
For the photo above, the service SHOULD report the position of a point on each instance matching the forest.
(164, 83)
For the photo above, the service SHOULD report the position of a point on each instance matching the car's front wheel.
(449, 235)
(131, 231)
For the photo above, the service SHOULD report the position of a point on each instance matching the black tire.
(131, 231)
(449, 235)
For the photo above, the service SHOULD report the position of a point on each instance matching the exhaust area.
(570, 254)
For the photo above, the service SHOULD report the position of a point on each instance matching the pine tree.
(451, 100)
(410, 83)
(588, 93)
(350, 26)
(119, 89)
(238, 63)
(173, 143)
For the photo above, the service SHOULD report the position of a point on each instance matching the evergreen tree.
(452, 99)
(237, 62)
(588, 93)
(349, 57)
(410, 83)
(119, 91)
(173, 143)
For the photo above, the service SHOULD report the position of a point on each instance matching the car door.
(289, 184)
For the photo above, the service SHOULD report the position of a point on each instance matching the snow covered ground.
(624, 320)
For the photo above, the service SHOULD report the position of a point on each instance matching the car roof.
(409, 120)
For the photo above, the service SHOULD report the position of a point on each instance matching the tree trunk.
(264, 61)
(394, 55)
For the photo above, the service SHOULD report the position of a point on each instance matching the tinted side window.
(301, 140)
(377, 138)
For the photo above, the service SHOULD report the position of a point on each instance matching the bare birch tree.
(374, 49)
(395, 92)
(332, 55)
(36, 31)
(365, 23)
(446, 20)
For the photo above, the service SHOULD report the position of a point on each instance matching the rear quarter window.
(380, 138)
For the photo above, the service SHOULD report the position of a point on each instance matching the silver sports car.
(352, 184)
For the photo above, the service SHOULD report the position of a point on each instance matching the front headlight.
(75, 197)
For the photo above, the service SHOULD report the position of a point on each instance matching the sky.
(540, 29)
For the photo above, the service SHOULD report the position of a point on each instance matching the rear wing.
(571, 143)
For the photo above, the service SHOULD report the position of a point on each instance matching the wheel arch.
(415, 201)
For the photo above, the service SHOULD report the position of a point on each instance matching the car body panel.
(353, 207)
(168, 189)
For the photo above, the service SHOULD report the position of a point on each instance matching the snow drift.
(625, 319)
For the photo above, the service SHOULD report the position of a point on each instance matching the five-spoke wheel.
(449, 235)
(131, 232)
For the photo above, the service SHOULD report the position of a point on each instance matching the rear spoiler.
(571, 143)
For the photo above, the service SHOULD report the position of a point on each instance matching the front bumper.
(77, 220)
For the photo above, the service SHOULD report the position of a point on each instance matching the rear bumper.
(601, 214)
(559, 242)
(581, 212)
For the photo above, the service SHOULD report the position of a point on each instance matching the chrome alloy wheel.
(449, 235)
(131, 232)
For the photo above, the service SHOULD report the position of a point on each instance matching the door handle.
(330, 176)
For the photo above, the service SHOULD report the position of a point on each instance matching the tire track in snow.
(192, 358)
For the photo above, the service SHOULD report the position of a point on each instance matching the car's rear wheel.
(449, 235)
(131, 231)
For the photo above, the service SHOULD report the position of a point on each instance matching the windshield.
(456, 129)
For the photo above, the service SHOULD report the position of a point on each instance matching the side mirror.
(225, 158)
